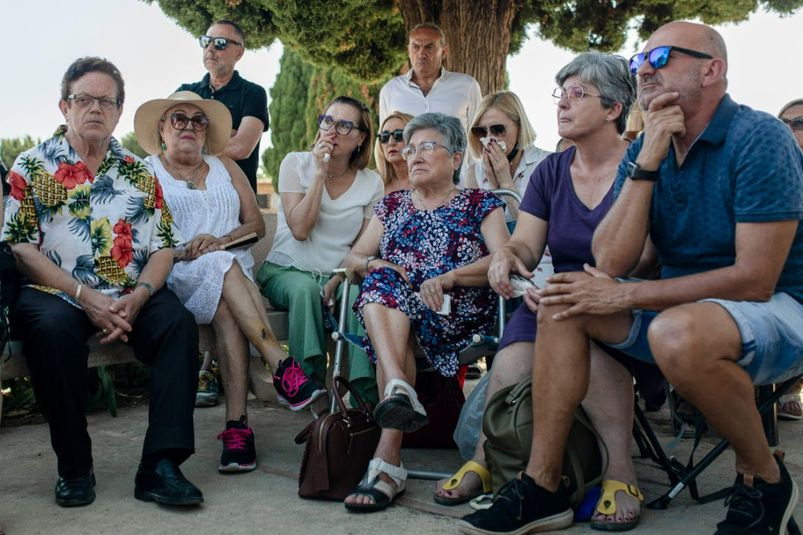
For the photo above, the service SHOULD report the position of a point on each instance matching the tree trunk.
(477, 34)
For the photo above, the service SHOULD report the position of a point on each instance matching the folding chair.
(482, 345)
(681, 476)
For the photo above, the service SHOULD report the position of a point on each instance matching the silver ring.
(105, 331)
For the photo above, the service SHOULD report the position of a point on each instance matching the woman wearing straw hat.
(213, 205)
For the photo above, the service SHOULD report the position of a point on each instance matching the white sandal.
(377, 488)
(400, 409)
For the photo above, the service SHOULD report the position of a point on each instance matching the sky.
(155, 56)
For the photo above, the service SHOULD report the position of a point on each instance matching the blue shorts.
(772, 336)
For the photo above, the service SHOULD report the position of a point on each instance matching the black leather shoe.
(165, 484)
(75, 491)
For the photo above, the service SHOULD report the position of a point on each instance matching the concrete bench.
(12, 363)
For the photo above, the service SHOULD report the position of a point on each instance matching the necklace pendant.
(191, 185)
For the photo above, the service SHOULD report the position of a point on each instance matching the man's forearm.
(724, 283)
(619, 239)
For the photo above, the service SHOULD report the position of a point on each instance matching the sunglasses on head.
(220, 43)
(497, 130)
(659, 57)
(384, 136)
(795, 123)
(179, 121)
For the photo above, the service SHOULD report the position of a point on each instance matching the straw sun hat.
(146, 121)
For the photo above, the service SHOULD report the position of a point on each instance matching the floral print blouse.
(100, 228)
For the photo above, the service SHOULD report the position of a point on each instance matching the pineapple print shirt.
(100, 228)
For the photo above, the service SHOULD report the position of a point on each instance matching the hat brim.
(148, 115)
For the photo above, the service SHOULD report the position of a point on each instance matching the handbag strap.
(354, 395)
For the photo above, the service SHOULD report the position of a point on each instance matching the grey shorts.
(772, 336)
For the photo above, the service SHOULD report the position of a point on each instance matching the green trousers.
(299, 292)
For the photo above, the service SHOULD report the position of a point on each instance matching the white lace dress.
(216, 210)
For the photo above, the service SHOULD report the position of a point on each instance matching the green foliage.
(298, 96)
(10, 148)
(129, 141)
(366, 38)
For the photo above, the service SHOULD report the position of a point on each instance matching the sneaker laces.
(234, 439)
(293, 379)
(745, 507)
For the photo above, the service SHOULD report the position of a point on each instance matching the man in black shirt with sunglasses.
(223, 46)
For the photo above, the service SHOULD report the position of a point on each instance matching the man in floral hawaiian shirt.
(90, 230)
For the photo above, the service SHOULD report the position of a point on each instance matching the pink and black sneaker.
(239, 453)
(293, 386)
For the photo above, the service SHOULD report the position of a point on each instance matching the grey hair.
(610, 74)
(450, 128)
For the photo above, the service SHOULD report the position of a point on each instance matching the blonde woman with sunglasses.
(388, 152)
(501, 141)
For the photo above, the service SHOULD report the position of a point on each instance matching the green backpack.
(508, 426)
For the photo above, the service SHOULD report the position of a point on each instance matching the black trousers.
(54, 338)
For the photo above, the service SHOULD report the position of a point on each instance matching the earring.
(163, 145)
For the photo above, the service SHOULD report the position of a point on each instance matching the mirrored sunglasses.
(220, 43)
(659, 57)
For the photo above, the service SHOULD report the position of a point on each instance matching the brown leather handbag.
(339, 447)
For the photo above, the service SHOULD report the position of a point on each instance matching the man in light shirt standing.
(427, 86)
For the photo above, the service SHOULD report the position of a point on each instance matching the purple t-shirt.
(550, 196)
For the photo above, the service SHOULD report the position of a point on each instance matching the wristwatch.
(635, 172)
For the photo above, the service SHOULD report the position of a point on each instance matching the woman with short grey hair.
(424, 263)
(610, 74)
(450, 129)
(567, 196)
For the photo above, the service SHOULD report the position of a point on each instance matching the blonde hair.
(508, 103)
(386, 171)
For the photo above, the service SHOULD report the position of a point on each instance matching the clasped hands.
(114, 317)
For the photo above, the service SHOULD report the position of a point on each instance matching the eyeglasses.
(659, 57)
(795, 123)
(179, 121)
(425, 147)
(82, 100)
(384, 136)
(573, 93)
(497, 130)
(344, 128)
(220, 42)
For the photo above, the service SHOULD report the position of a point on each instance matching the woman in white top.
(213, 205)
(327, 197)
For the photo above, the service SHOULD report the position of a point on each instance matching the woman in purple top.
(567, 197)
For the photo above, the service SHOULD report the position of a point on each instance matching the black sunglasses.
(659, 57)
(795, 123)
(220, 42)
(496, 130)
(384, 136)
(179, 121)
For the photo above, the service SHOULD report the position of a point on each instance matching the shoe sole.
(206, 402)
(390, 414)
(234, 468)
(75, 503)
(147, 496)
(303, 404)
(790, 507)
(559, 521)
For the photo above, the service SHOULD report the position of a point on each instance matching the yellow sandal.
(457, 479)
(607, 506)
